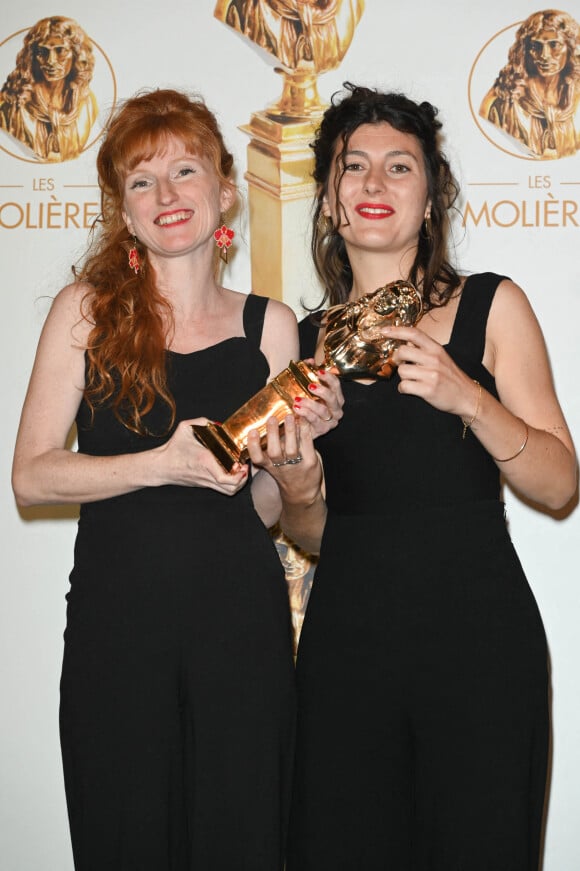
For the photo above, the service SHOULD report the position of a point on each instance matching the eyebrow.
(394, 153)
(182, 159)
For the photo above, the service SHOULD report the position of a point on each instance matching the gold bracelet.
(521, 447)
(467, 423)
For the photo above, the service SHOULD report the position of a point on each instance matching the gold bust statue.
(306, 37)
(46, 102)
(536, 95)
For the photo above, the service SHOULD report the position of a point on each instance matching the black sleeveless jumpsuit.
(422, 666)
(177, 691)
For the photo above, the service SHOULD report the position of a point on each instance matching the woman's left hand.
(289, 457)
(426, 370)
(291, 460)
(324, 411)
(523, 429)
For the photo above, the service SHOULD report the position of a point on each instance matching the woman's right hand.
(186, 462)
(46, 471)
(323, 412)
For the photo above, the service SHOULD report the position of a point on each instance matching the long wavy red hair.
(127, 344)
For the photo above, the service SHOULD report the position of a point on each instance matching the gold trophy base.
(280, 192)
(228, 441)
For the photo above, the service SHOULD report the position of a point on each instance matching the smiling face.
(381, 198)
(173, 201)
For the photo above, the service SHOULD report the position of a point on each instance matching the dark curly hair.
(431, 270)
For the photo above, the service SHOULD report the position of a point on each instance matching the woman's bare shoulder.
(71, 310)
(511, 308)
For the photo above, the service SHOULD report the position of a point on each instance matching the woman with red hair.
(177, 694)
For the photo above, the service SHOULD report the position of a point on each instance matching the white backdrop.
(428, 50)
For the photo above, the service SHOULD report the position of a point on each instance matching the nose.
(374, 181)
(166, 191)
(546, 52)
(50, 56)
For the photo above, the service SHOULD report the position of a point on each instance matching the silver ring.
(326, 419)
(289, 461)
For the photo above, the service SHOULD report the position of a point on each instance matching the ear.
(428, 210)
(325, 208)
(128, 223)
(227, 197)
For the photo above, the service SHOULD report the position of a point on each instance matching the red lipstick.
(170, 219)
(374, 211)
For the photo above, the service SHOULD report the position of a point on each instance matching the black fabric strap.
(308, 330)
(468, 335)
(254, 312)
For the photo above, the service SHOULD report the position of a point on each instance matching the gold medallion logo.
(54, 83)
(524, 87)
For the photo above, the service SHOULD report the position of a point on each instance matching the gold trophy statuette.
(354, 347)
(354, 343)
(228, 442)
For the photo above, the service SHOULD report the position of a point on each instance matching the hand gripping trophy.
(354, 347)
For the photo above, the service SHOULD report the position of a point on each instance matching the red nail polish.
(322, 371)
(313, 386)
(297, 400)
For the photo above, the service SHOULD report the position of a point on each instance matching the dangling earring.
(325, 225)
(134, 257)
(223, 239)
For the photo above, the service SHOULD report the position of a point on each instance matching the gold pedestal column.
(280, 192)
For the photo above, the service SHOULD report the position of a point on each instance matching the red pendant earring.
(134, 257)
(223, 239)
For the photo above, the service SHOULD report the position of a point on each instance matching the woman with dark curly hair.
(46, 102)
(177, 690)
(536, 96)
(422, 668)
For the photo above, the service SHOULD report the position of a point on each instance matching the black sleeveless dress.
(177, 691)
(422, 667)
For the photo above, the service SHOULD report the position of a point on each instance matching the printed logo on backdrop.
(524, 96)
(524, 87)
(57, 82)
(54, 78)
